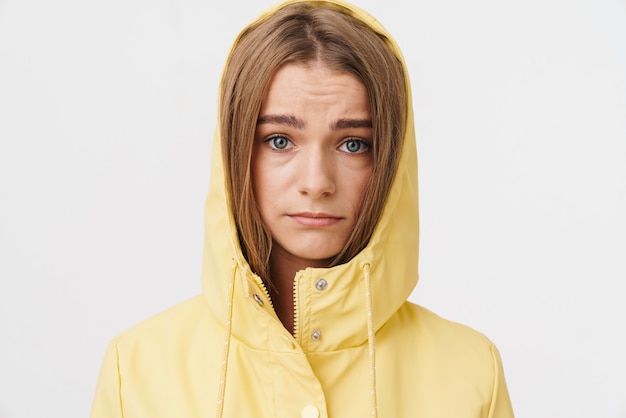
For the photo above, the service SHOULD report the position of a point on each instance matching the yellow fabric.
(172, 364)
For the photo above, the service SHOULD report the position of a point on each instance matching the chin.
(315, 257)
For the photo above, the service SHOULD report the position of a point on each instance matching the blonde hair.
(305, 33)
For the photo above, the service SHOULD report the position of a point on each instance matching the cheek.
(265, 183)
(356, 185)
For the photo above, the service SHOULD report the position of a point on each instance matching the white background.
(107, 111)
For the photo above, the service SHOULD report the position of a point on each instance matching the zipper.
(265, 291)
(295, 307)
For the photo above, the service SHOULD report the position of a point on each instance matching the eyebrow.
(288, 120)
(297, 123)
(350, 124)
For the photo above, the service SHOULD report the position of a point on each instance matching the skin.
(311, 164)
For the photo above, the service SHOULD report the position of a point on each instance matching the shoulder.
(438, 339)
(177, 323)
(155, 361)
(448, 356)
(443, 360)
(430, 324)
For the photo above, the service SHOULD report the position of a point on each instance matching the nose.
(316, 176)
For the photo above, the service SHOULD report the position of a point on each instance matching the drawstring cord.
(370, 341)
(227, 334)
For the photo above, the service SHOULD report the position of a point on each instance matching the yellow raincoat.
(359, 350)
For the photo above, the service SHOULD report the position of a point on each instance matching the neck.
(283, 269)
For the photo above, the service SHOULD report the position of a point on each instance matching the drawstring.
(227, 334)
(370, 341)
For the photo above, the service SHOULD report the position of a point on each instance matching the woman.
(310, 249)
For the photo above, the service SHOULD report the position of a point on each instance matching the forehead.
(311, 87)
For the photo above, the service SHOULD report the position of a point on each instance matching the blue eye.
(279, 142)
(354, 146)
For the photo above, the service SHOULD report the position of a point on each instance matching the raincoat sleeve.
(500, 401)
(108, 400)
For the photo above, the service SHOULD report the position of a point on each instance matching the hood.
(391, 255)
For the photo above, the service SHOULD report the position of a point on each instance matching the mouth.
(315, 219)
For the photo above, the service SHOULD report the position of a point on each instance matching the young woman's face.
(312, 160)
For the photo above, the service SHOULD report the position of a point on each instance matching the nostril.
(317, 183)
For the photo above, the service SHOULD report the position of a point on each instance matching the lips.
(315, 219)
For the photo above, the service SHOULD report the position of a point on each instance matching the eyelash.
(270, 142)
(364, 145)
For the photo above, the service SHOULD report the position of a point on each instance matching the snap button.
(310, 411)
(316, 335)
(258, 299)
(321, 284)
